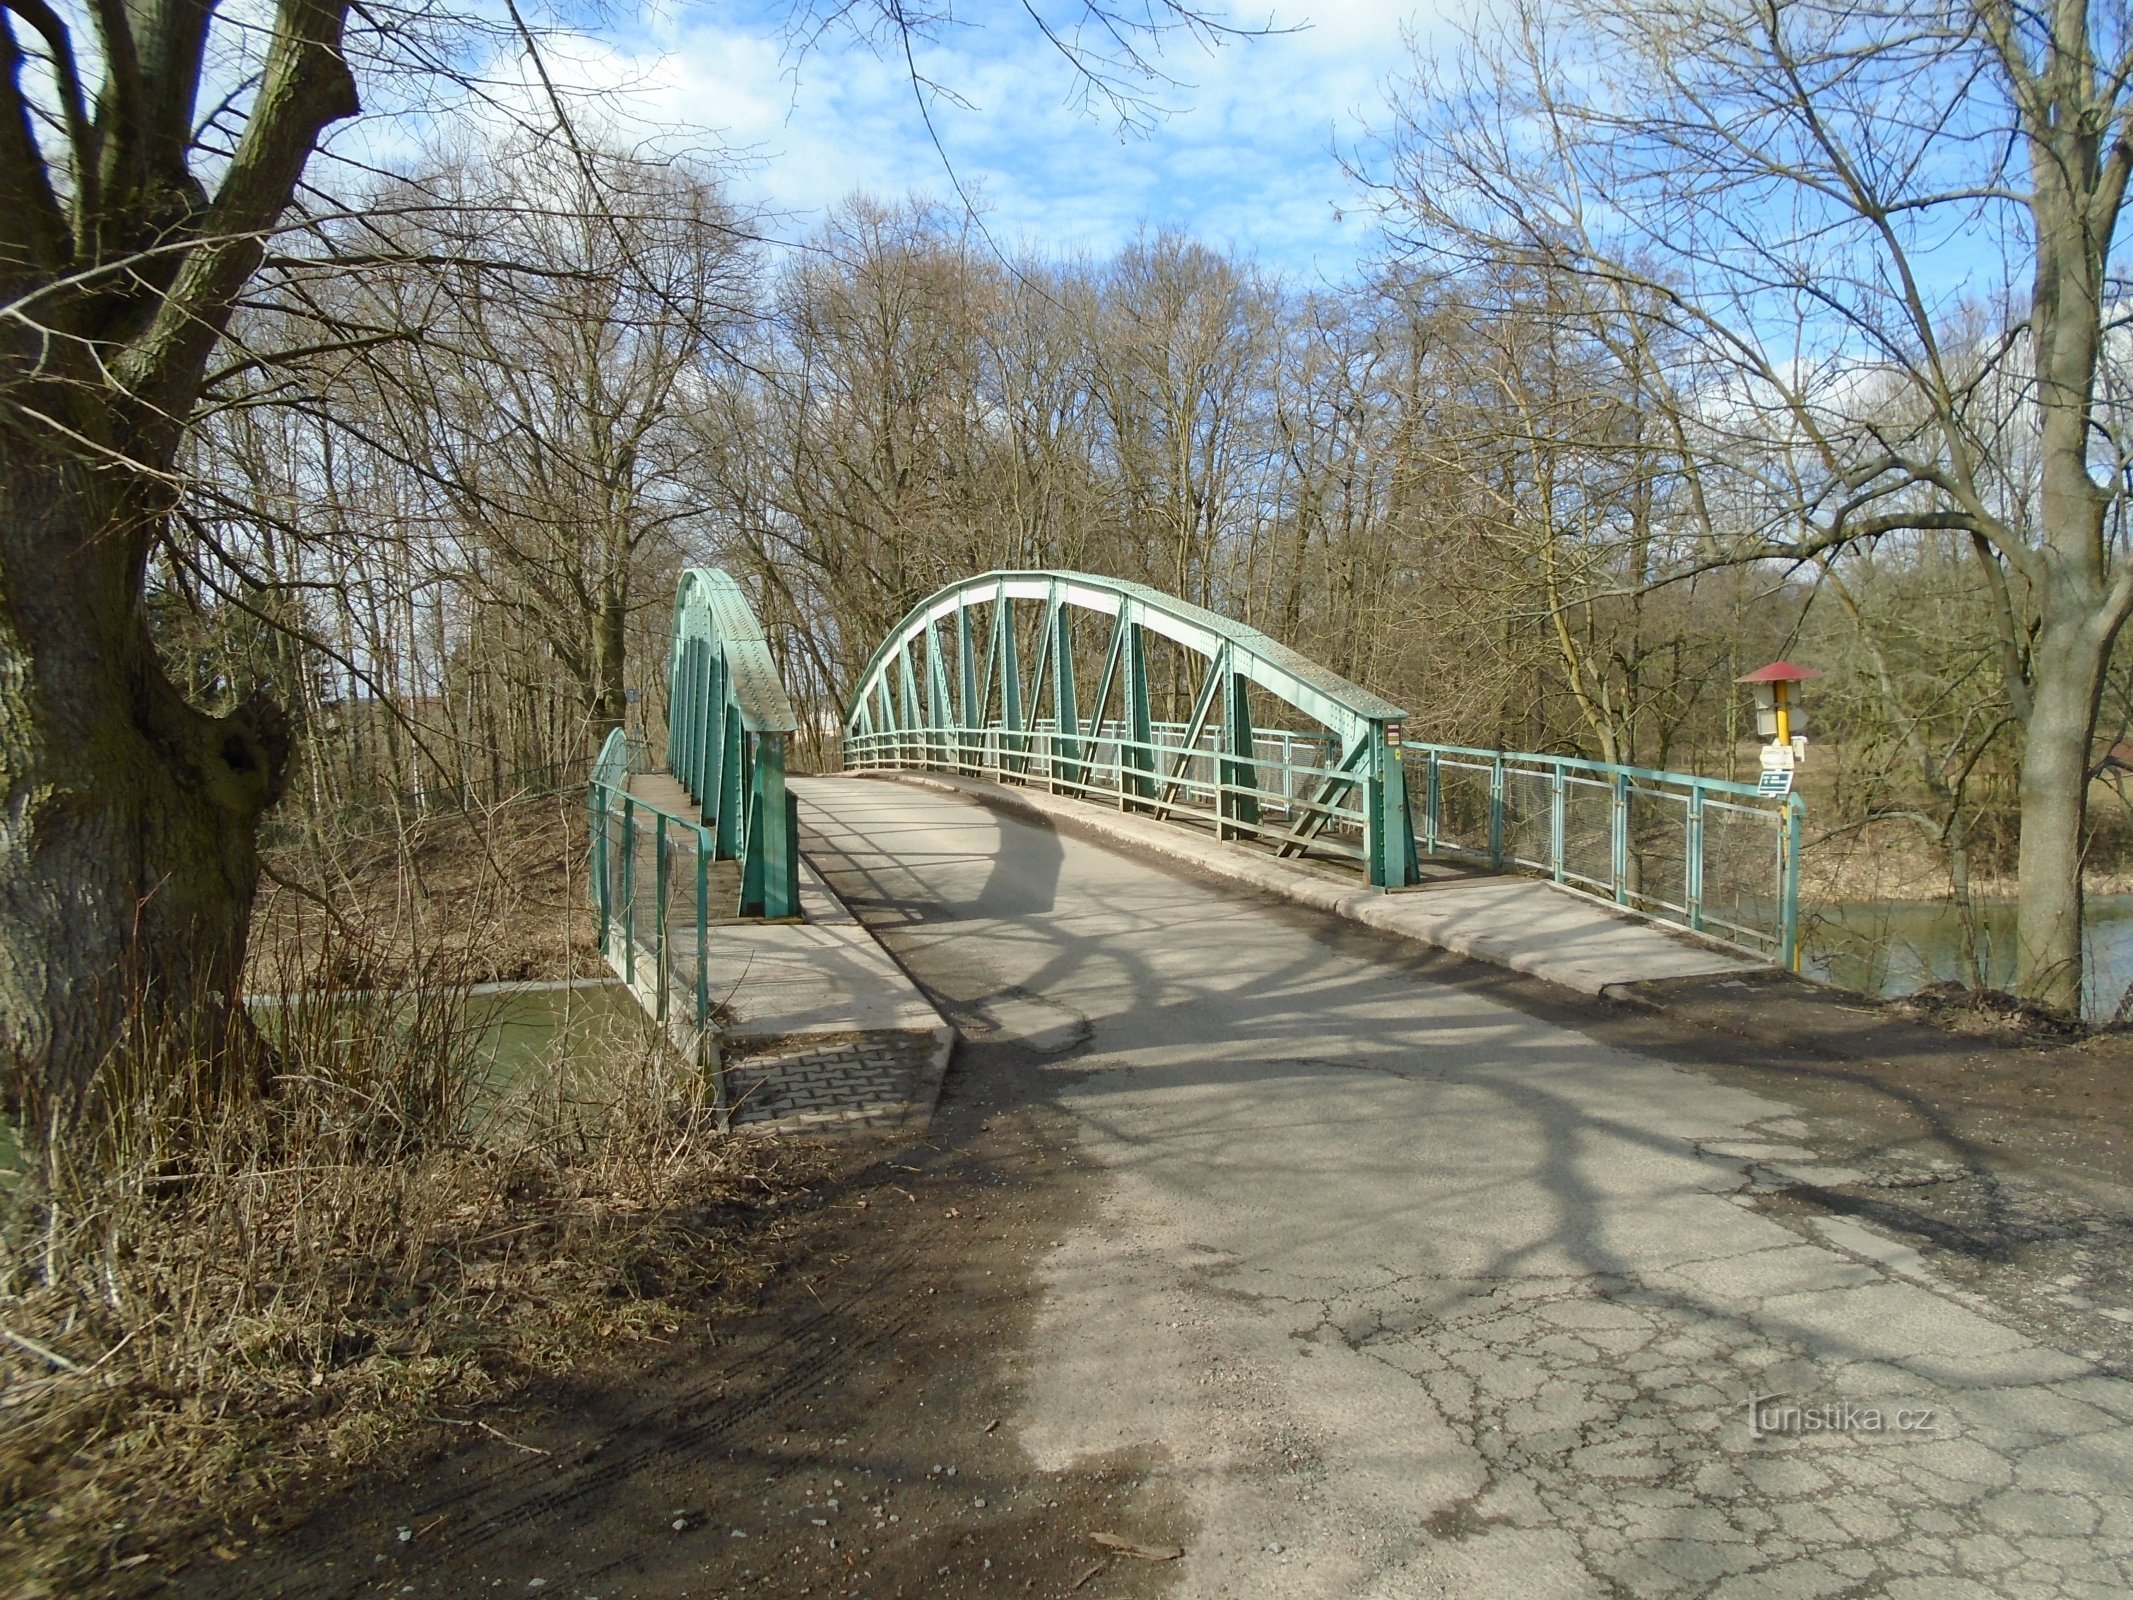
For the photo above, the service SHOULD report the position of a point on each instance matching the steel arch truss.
(728, 720)
(947, 690)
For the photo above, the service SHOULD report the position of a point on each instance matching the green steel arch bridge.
(1116, 694)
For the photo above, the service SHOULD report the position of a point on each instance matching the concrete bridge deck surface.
(1409, 1292)
(1524, 923)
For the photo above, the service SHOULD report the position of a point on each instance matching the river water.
(1892, 947)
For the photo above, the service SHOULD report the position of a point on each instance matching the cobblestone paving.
(831, 1084)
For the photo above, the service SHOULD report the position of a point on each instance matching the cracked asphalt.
(1401, 1289)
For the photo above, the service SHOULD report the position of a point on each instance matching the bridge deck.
(823, 973)
(1526, 924)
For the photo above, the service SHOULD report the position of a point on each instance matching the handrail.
(613, 871)
(1738, 883)
(1651, 774)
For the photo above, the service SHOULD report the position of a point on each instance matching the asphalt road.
(1408, 1291)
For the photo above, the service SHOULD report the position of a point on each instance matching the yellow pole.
(1784, 711)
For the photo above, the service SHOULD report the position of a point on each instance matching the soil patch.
(842, 1436)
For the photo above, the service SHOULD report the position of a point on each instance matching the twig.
(530, 1449)
(476, 1422)
(44, 1352)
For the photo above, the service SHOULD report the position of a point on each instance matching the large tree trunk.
(128, 818)
(2066, 685)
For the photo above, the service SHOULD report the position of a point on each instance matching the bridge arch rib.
(947, 690)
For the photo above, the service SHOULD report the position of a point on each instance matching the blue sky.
(1245, 159)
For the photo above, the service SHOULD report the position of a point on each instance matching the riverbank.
(1890, 948)
(212, 1306)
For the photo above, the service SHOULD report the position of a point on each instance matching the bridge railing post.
(659, 898)
(629, 890)
(703, 928)
(1692, 860)
(1789, 885)
(1433, 802)
(1496, 796)
(1555, 821)
(596, 823)
(1388, 825)
(1619, 838)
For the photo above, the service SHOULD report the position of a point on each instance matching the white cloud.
(1246, 159)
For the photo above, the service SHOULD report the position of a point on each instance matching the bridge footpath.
(818, 1030)
(1526, 924)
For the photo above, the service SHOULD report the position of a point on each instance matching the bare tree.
(563, 347)
(149, 180)
(1776, 185)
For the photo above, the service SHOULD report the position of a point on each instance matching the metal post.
(703, 927)
(1496, 814)
(1692, 863)
(939, 710)
(732, 774)
(713, 798)
(1390, 837)
(1134, 664)
(767, 856)
(1789, 885)
(1240, 771)
(969, 710)
(1619, 842)
(1066, 715)
(659, 896)
(1555, 821)
(911, 719)
(1433, 801)
(706, 721)
(596, 823)
(1004, 649)
(629, 889)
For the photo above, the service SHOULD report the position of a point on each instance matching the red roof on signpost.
(1779, 672)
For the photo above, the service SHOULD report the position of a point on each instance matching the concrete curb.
(1611, 948)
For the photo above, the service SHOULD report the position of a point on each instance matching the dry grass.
(204, 1305)
(505, 884)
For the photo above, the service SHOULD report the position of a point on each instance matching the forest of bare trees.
(1647, 381)
(1464, 489)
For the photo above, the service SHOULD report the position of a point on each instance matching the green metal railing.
(728, 724)
(654, 868)
(1290, 780)
(946, 691)
(979, 712)
(630, 837)
(1715, 857)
